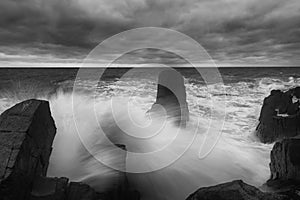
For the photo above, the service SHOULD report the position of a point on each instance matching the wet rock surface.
(235, 190)
(27, 131)
(280, 116)
(285, 160)
(49, 188)
(284, 182)
(285, 168)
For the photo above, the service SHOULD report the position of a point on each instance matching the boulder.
(27, 131)
(285, 160)
(80, 191)
(285, 168)
(45, 188)
(273, 127)
(171, 96)
(235, 190)
(297, 92)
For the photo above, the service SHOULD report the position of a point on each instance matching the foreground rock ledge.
(27, 131)
(235, 190)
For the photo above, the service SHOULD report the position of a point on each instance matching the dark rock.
(27, 131)
(285, 168)
(235, 190)
(45, 188)
(273, 127)
(289, 188)
(297, 92)
(171, 95)
(80, 191)
(285, 160)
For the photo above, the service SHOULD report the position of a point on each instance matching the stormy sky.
(234, 32)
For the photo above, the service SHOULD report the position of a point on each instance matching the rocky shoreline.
(280, 122)
(284, 183)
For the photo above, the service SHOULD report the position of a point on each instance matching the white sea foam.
(237, 155)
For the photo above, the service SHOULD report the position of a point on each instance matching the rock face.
(27, 131)
(235, 190)
(49, 188)
(285, 160)
(279, 116)
(171, 96)
(285, 168)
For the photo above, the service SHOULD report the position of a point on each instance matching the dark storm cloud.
(255, 30)
(232, 31)
(55, 27)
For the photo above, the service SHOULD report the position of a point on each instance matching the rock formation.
(285, 168)
(284, 182)
(171, 95)
(49, 188)
(27, 131)
(279, 116)
(285, 160)
(235, 190)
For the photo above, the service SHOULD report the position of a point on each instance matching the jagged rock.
(274, 127)
(27, 131)
(45, 188)
(80, 191)
(285, 160)
(171, 95)
(285, 168)
(235, 190)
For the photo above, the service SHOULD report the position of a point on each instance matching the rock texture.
(273, 127)
(27, 131)
(235, 190)
(49, 188)
(285, 160)
(171, 96)
(285, 168)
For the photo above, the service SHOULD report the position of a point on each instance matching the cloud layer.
(250, 32)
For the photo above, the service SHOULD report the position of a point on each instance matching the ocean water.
(237, 155)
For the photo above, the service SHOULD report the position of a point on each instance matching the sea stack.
(171, 95)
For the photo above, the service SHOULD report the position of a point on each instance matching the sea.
(236, 153)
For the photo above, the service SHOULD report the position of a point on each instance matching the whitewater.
(237, 155)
